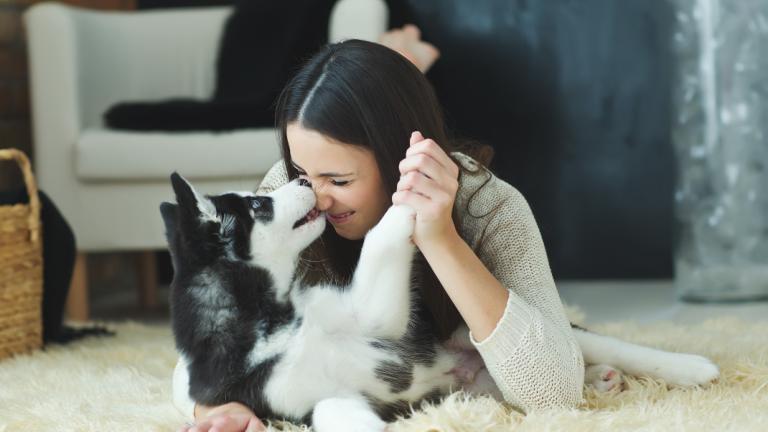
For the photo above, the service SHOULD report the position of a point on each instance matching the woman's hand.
(230, 417)
(428, 183)
(407, 41)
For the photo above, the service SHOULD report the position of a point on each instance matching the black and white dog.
(343, 358)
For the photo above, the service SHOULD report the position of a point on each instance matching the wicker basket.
(21, 268)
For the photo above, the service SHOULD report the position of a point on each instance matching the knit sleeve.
(532, 354)
(273, 179)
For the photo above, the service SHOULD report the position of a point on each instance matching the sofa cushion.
(262, 45)
(103, 154)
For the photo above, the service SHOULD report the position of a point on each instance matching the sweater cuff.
(505, 339)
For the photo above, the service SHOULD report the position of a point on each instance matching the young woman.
(364, 126)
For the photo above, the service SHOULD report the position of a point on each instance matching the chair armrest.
(53, 72)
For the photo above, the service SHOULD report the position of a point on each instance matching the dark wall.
(574, 95)
(152, 4)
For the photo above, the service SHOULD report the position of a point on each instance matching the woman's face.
(345, 178)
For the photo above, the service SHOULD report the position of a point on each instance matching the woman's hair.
(365, 94)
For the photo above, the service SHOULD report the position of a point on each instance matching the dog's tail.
(671, 367)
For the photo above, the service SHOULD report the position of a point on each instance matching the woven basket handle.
(29, 180)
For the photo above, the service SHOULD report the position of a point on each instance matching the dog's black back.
(216, 335)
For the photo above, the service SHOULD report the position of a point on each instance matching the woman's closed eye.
(333, 182)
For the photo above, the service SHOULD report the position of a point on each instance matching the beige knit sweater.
(531, 354)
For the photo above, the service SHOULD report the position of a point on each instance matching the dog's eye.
(260, 203)
(261, 207)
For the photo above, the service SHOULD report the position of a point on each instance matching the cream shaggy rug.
(124, 384)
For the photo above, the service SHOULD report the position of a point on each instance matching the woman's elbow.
(572, 386)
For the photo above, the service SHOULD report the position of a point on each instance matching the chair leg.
(77, 299)
(147, 267)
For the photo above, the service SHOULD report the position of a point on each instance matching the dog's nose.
(304, 182)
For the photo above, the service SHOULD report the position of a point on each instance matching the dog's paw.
(687, 370)
(396, 226)
(346, 415)
(603, 377)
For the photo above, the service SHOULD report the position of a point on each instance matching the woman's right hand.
(230, 417)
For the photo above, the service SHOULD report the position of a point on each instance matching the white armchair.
(107, 183)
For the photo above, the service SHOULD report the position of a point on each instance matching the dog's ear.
(168, 212)
(185, 193)
(190, 201)
(170, 216)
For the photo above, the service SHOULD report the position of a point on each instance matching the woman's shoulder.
(483, 199)
(274, 178)
(480, 189)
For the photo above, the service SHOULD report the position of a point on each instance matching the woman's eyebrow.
(327, 174)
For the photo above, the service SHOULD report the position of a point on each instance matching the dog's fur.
(340, 357)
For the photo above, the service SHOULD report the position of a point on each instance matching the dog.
(338, 357)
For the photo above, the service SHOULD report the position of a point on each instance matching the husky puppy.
(344, 358)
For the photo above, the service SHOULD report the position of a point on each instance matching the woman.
(364, 126)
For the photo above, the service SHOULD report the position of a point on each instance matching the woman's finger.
(237, 422)
(436, 195)
(424, 164)
(431, 148)
(416, 182)
(255, 425)
(413, 199)
(201, 427)
(427, 187)
(416, 136)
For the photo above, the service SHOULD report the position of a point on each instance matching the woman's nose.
(324, 201)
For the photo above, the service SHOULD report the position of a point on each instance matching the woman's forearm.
(479, 297)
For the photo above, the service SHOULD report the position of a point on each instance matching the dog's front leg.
(346, 414)
(380, 292)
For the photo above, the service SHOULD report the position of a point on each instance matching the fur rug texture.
(123, 383)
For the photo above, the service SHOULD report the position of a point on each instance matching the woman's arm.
(478, 295)
(505, 292)
(512, 308)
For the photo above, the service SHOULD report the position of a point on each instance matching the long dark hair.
(365, 94)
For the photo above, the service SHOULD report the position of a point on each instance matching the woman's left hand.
(428, 183)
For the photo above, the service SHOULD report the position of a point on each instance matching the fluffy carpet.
(123, 384)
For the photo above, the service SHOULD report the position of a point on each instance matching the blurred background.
(635, 129)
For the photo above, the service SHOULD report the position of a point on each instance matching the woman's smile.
(339, 218)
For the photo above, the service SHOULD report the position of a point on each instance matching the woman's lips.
(339, 218)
